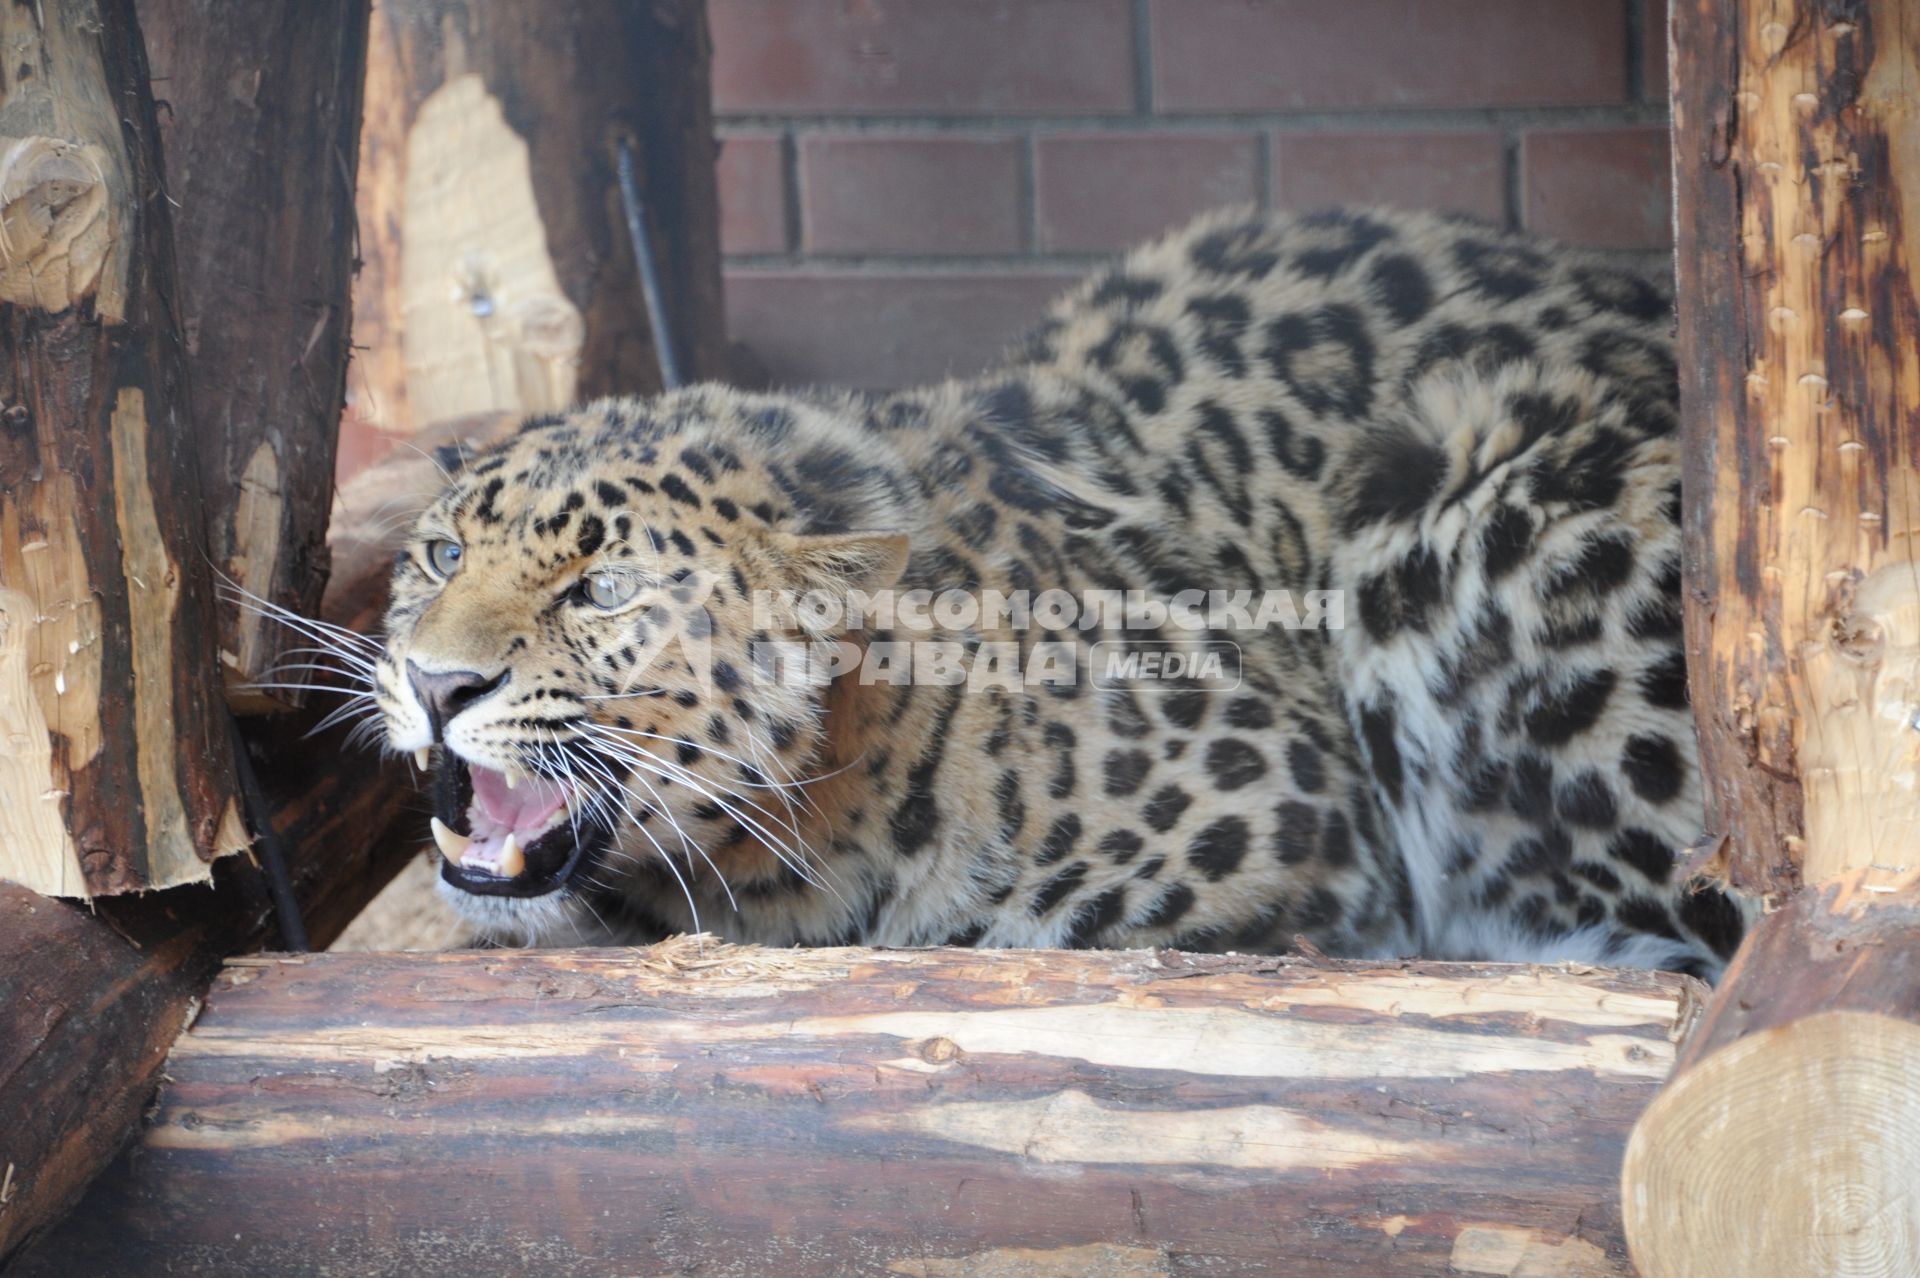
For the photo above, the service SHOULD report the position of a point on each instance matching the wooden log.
(90, 1002)
(695, 1107)
(86, 1019)
(261, 130)
(117, 773)
(1796, 144)
(498, 275)
(1789, 1143)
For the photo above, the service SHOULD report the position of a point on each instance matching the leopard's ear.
(835, 563)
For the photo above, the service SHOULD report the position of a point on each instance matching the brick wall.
(905, 182)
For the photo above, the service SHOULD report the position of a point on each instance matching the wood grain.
(261, 127)
(1794, 1104)
(1787, 1143)
(90, 1000)
(701, 1108)
(116, 775)
(498, 275)
(1796, 144)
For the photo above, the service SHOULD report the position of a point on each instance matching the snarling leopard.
(1309, 577)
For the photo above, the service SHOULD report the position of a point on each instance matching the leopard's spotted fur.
(1469, 433)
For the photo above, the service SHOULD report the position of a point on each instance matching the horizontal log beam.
(86, 1019)
(695, 1107)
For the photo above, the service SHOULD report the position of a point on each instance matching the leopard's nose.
(445, 693)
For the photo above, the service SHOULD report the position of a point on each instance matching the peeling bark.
(116, 775)
(695, 1107)
(1788, 1140)
(261, 130)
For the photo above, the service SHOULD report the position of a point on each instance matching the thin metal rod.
(273, 852)
(638, 231)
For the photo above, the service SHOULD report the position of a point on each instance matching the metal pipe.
(639, 232)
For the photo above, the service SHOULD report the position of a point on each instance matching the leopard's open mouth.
(501, 836)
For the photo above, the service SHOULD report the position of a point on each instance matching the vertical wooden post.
(115, 770)
(1789, 1141)
(498, 272)
(261, 124)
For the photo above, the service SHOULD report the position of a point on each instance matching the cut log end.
(1794, 1151)
(56, 228)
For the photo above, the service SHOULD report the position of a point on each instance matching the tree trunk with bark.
(261, 127)
(1789, 1142)
(117, 774)
(499, 274)
(696, 1107)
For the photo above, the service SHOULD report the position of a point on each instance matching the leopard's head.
(579, 648)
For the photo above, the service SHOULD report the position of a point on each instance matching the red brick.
(1214, 55)
(1106, 191)
(1609, 187)
(1460, 172)
(882, 331)
(753, 194)
(938, 195)
(967, 56)
(1655, 60)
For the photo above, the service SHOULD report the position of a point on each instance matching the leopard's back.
(1459, 441)
(1470, 435)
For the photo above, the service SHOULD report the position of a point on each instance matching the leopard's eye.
(443, 557)
(609, 589)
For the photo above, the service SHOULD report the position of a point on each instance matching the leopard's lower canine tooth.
(423, 758)
(512, 859)
(453, 844)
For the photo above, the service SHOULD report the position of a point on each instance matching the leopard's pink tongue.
(526, 808)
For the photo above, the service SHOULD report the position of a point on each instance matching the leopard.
(1442, 457)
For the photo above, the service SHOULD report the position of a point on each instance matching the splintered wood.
(696, 1107)
(484, 322)
(91, 999)
(1800, 351)
(114, 758)
(1788, 1143)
